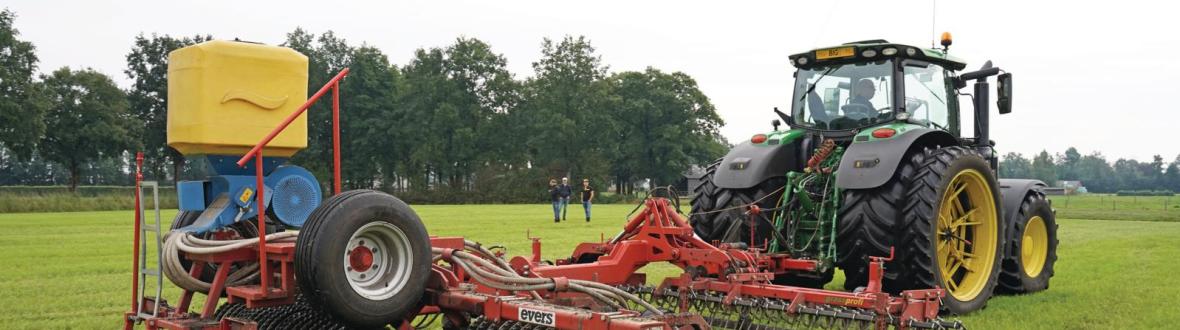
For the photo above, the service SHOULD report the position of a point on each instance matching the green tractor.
(874, 163)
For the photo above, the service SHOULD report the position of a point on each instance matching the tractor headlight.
(802, 60)
(911, 51)
(903, 116)
(889, 51)
(868, 53)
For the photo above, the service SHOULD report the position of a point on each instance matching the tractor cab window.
(844, 96)
(926, 94)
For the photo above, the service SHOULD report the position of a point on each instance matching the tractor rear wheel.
(365, 257)
(951, 232)
(719, 214)
(1031, 246)
(868, 218)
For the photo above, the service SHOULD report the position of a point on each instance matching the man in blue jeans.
(587, 197)
(555, 198)
(564, 191)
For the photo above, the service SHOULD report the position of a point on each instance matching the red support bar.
(336, 136)
(262, 262)
(135, 249)
(256, 154)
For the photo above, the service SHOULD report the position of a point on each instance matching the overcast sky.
(1099, 77)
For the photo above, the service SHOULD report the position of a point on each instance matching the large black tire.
(917, 249)
(1015, 277)
(718, 213)
(867, 225)
(395, 287)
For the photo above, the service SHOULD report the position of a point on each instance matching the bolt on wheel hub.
(360, 258)
(377, 260)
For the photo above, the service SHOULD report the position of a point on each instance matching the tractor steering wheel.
(856, 111)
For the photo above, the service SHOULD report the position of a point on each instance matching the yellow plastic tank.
(225, 96)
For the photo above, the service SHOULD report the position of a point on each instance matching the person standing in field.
(565, 191)
(587, 197)
(555, 198)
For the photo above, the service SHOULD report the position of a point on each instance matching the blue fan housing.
(296, 194)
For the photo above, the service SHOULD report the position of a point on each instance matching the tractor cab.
(867, 83)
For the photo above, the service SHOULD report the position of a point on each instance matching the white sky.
(1101, 77)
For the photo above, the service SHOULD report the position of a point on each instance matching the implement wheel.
(364, 256)
(1032, 247)
(951, 236)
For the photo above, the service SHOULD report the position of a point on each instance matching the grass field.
(72, 270)
(1110, 207)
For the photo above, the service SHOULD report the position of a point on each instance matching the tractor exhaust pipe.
(982, 118)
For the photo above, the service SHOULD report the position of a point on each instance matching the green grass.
(1111, 207)
(72, 270)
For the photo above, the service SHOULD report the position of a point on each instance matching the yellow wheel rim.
(1034, 246)
(967, 235)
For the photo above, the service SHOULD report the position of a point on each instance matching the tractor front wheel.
(951, 234)
(1032, 247)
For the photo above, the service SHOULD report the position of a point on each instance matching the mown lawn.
(72, 270)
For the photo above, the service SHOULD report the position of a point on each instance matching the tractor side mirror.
(786, 119)
(1004, 93)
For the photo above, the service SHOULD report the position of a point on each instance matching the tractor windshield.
(844, 96)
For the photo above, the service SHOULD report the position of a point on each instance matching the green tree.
(147, 67)
(1096, 174)
(327, 55)
(1044, 169)
(22, 109)
(456, 111)
(1172, 175)
(88, 120)
(565, 103)
(1015, 166)
(370, 100)
(1068, 163)
(665, 125)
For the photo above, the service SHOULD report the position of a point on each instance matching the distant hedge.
(1145, 193)
(16, 199)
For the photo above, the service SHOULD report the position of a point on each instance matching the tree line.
(1095, 172)
(451, 125)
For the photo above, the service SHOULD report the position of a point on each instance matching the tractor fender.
(870, 164)
(1012, 193)
(749, 164)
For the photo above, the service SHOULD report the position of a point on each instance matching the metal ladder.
(153, 270)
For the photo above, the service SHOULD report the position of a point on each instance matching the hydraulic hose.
(176, 242)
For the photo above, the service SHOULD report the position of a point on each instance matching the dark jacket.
(565, 190)
(554, 193)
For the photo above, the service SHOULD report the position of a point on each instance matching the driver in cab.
(859, 105)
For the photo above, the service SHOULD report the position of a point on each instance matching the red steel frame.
(256, 153)
(655, 234)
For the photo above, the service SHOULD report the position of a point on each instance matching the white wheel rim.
(377, 260)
